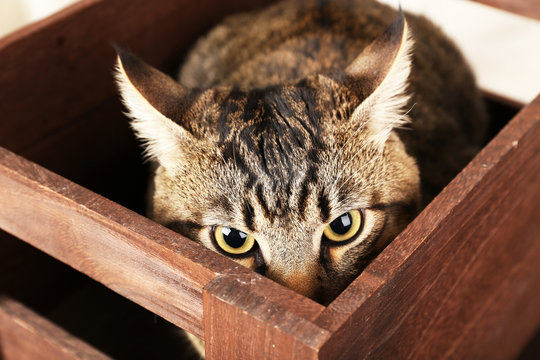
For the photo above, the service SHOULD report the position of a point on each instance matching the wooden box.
(461, 281)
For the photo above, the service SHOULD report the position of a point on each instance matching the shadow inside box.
(85, 308)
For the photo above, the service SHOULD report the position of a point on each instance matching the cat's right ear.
(153, 100)
(379, 76)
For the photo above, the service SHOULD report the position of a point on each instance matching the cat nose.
(304, 282)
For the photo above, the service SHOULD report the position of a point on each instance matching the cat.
(300, 139)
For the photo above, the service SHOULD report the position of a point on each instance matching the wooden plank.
(145, 262)
(132, 255)
(57, 69)
(464, 253)
(529, 8)
(24, 335)
(245, 320)
(504, 326)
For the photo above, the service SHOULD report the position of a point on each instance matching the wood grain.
(132, 255)
(245, 320)
(466, 263)
(24, 335)
(57, 69)
(529, 8)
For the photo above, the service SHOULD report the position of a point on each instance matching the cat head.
(303, 182)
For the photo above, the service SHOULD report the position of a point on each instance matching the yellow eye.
(233, 241)
(346, 227)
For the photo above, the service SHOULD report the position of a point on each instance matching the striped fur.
(284, 119)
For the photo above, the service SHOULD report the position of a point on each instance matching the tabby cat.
(300, 139)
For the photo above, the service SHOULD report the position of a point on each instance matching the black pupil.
(342, 224)
(234, 238)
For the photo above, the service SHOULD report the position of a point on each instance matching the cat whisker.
(234, 155)
(227, 166)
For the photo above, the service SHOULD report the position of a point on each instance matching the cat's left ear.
(379, 76)
(155, 102)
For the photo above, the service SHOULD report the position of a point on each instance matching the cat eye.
(345, 227)
(232, 241)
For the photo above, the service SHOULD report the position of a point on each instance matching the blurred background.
(16, 13)
(503, 48)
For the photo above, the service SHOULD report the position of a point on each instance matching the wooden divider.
(60, 68)
(442, 280)
(147, 263)
(24, 335)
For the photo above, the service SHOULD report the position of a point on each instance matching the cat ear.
(153, 99)
(379, 76)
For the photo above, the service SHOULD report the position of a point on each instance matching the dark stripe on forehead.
(249, 216)
(262, 201)
(227, 106)
(304, 125)
(262, 154)
(302, 198)
(223, 202)
(308, 95)
(251, 181)
(253, 101)
(313, 155)
(295, 135)
(232, 155)
(312, 174)
(324, 206)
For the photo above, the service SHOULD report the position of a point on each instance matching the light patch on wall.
(503, 48)
(17, 13)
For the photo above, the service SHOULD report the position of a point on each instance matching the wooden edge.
(407, 251)
(26, 335)
(134, 256)
(243, 322)
(69, 69)
(529, 8)
(143, 261)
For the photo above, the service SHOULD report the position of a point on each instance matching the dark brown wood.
(24, 335)
(140, 259)
(132, 255)
(59, 68)
(244, 319)
(529, 8)
(469, 261)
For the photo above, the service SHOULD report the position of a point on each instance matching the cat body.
(300, 139)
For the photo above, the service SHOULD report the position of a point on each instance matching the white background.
(503, 49)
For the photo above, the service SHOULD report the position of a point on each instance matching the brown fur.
(275, 130)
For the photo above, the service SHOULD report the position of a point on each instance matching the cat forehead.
(237, 107)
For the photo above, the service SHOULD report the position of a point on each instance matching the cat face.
(303, 182)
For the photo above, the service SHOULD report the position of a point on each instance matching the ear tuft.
(381, 73)
(162, 138)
